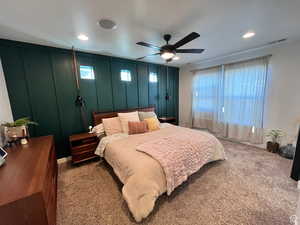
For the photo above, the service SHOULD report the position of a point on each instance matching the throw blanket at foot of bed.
(181, 154)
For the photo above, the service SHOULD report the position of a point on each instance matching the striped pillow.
(137, 127)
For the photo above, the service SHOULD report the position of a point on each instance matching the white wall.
(5, 110)
(282, 108)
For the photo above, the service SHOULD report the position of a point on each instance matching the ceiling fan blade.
(148, 56)
(186, 39)
(197, 51)
(148, 45)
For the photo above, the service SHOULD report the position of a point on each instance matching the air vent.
(107, 24)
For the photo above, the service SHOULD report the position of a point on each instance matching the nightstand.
(83, 147)
(167, 120)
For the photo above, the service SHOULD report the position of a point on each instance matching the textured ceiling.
(221, 24)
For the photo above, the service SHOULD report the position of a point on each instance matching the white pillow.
(98, 130)
(126, 117)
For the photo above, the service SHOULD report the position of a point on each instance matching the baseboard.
(64, 160)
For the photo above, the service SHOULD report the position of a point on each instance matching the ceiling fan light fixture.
(249, 34)
(83, 37)
(167, 55)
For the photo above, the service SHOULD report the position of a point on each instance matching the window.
(244, 93)
(205, 90)
(152, 77)
(87, 72)
(233, 94)
(125, 75)
(229, 100)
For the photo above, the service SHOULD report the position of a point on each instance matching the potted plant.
(274, 135)
(17, 129)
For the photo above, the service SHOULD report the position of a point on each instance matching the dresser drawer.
(50, 176)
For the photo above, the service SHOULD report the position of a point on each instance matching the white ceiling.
(221, 24)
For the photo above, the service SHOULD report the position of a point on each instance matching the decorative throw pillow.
(153, 123)
(98, 129)
(137, 127)
(126, 117)
(112, 125)
(145, 115)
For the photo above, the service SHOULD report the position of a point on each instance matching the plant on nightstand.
(274, 135)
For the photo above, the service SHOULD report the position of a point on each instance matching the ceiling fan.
(168, 51)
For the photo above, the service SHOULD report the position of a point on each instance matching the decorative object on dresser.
(167, 120)
(274, 135)
(83, 147)
(28, 189)
(14, 131)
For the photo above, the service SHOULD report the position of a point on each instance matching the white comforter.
(143, 177)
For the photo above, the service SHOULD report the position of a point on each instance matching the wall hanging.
(80, 102)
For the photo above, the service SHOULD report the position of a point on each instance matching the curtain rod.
(238, 61)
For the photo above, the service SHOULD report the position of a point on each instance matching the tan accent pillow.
(153, 123)
(137, 127)
(126, 117)
(112, 125)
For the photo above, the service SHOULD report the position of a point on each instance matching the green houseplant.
(17, 129)
(273, 144)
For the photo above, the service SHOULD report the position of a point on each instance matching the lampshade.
(167, 55)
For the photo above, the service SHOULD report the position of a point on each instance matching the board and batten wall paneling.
(162, 84)
(118, 86)
(41, 84)
(103, 83)
(69, 113)
(153, 89)
(176, 94)
(88, 89)
(132, 97)
(42, 92)
(13, 68)
(143, 84)
(171, 92)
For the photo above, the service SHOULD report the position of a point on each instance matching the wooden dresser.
(28, 184)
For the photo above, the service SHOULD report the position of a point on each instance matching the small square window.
(152, 77)
(125, 75)
(87, 72)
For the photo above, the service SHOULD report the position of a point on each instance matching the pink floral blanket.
(181, 154)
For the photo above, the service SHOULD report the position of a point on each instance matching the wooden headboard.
(98, 116)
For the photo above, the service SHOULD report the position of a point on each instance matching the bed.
(153, 163)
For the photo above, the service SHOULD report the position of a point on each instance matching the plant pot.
(14, 133)
(272, 146)
(287, 151)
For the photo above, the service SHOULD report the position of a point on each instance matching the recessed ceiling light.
(83, 37)
(176, 57)
(107, 24)
(248, 34)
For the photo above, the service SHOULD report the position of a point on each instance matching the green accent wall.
(41, 84)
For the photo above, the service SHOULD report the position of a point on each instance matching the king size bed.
(152, 163)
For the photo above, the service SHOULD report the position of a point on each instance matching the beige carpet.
(252, 187)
